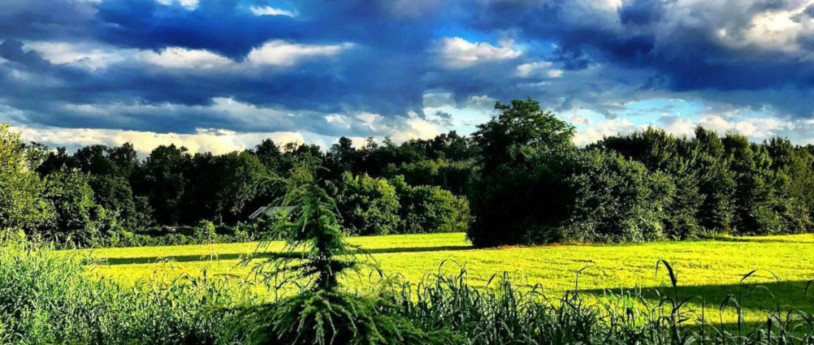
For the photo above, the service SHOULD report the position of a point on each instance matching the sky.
(222, 75)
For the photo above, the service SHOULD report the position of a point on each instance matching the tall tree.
(522, 151)
(162, 180)
(522, 129)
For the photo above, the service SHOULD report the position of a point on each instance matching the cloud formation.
(376, 68)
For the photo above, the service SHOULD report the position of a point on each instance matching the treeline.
(535, 186)
(102, 195)
(525, 179)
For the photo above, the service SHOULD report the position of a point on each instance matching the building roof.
(268, 211)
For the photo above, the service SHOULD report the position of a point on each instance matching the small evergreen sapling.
(315, 256)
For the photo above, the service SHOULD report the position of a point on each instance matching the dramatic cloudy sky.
(218, 75)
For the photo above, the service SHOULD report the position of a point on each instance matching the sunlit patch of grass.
(711, 268)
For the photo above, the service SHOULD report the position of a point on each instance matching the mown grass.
(710, 269)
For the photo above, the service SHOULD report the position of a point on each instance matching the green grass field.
(711, 269)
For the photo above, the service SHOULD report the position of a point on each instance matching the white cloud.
(282, 53)
(754, 128)
(177, 57)
(96, 56)
(369, 120)
(399, 129)
(188, 4)
(580, 120)
(338, 120)
(414, 128)
(85, 55)
(458, 53)
(740, 25)
(531, 68)
(537, 69)
(271, 11)
(482, 102)
(438, 99)
(598, 131)
(776, 30)
(221, 110)
(554, 73)
(204, 140)
(679, 126)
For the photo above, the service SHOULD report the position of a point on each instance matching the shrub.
(616, 200)
(368, 206)
(428, 209)
(78, 218)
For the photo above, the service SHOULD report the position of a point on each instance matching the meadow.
(713, 269)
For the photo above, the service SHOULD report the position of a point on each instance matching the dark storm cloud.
(644, 47)
(381, 75)
(688, 53)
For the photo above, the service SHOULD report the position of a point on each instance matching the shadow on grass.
(235, 256)
(760, 240)
(765, 297)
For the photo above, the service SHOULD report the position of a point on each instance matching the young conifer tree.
(315, 253)
(314, 258)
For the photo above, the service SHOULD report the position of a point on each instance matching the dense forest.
(525, 179)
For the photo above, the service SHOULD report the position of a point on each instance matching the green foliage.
(161, 178)
(509, 314)
(671, 188)
(330, 317)
(426, 209)
(21, 202)
(674, 158)
(78, 218)
(453, 176)
(716, 183)
(516, 197)
(520, 131)
(371, 206)
(446, 161)
(220, 188)
(756, 196)
(312, 234)
(320, 313)
(368, 206)
(48, 298)
(615, 200)
(114, 194)
(526, 181)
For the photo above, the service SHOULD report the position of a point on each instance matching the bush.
(368, 206)
(78, 218)
(428, 209)
(615, 200)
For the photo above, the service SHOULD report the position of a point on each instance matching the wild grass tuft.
(506, 314)
(47, 298)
